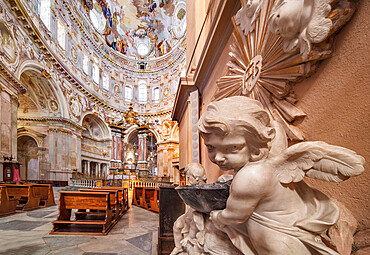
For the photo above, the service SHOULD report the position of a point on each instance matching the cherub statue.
(301, 23)
(188, 229)
(270, 209)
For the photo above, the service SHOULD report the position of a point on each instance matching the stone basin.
(205, 197)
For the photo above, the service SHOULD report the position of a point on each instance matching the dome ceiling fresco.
(139, 29)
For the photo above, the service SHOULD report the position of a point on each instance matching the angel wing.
(317, 160)
(247, 15)
(319, 27)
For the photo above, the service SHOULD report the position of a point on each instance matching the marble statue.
(300, 23)
(270, 209)
(188, 225)
(194, 233)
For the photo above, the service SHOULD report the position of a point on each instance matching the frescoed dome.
(139, 29)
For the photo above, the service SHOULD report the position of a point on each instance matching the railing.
(131, 184)
(87, 183)
(137, 183)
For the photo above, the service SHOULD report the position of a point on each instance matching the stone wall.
(336, 101)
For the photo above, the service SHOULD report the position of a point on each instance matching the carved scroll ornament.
(276, 44)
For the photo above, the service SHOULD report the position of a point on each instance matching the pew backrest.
(85, 200)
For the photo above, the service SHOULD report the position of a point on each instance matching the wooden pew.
(7, 205)
(150, 199)
(145, 199)
(114, 201)
(25, 195)
(138, 195)
(45, 192)
(154, 201)
(92, 201)
(122, 196)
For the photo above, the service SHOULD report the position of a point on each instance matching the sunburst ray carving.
(265, 64)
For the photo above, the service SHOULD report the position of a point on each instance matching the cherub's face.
(228, 152)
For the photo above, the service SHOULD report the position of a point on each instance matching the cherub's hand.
(214, 218)
(185, 241)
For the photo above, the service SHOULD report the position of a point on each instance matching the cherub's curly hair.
(241, 114)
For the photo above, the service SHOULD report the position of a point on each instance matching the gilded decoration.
(8, 47)
(93, 149)
(53, 105)
(131, 117)
(116, 90)
(74, 54)
(276, 44)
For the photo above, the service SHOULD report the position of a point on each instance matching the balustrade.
(98, 182)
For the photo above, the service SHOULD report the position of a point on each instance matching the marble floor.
(28, 233)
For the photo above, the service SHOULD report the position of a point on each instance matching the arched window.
(105, 82)
(155, 96)
(128, 93)
(142, 92)
(85, 64)
(175, 85)
(61, 32)
(95, 74)
(45, 12)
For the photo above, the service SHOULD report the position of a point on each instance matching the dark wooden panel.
(170, 208)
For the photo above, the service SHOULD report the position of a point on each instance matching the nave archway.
(27, 150)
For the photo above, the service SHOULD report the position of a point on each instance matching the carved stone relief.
(9, 52)
(75, 107)
(277, 43)
(7, 43)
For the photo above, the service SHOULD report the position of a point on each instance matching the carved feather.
(319, 27)
(317, 160)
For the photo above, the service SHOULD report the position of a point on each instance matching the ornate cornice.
(7, 75)
(158, 114)
(53, 119)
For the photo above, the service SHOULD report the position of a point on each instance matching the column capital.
(13, 99)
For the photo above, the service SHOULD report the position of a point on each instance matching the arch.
(28, 157)
(129, 132)
(91, 121)
(28, 65)
(51, 84)
(175, 131)
(38, 137)
(133, 128)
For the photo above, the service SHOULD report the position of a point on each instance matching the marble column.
(83, 166)
(98, 167)
(88, 168)
(160, 164)
(13, 125)
(142, 150)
